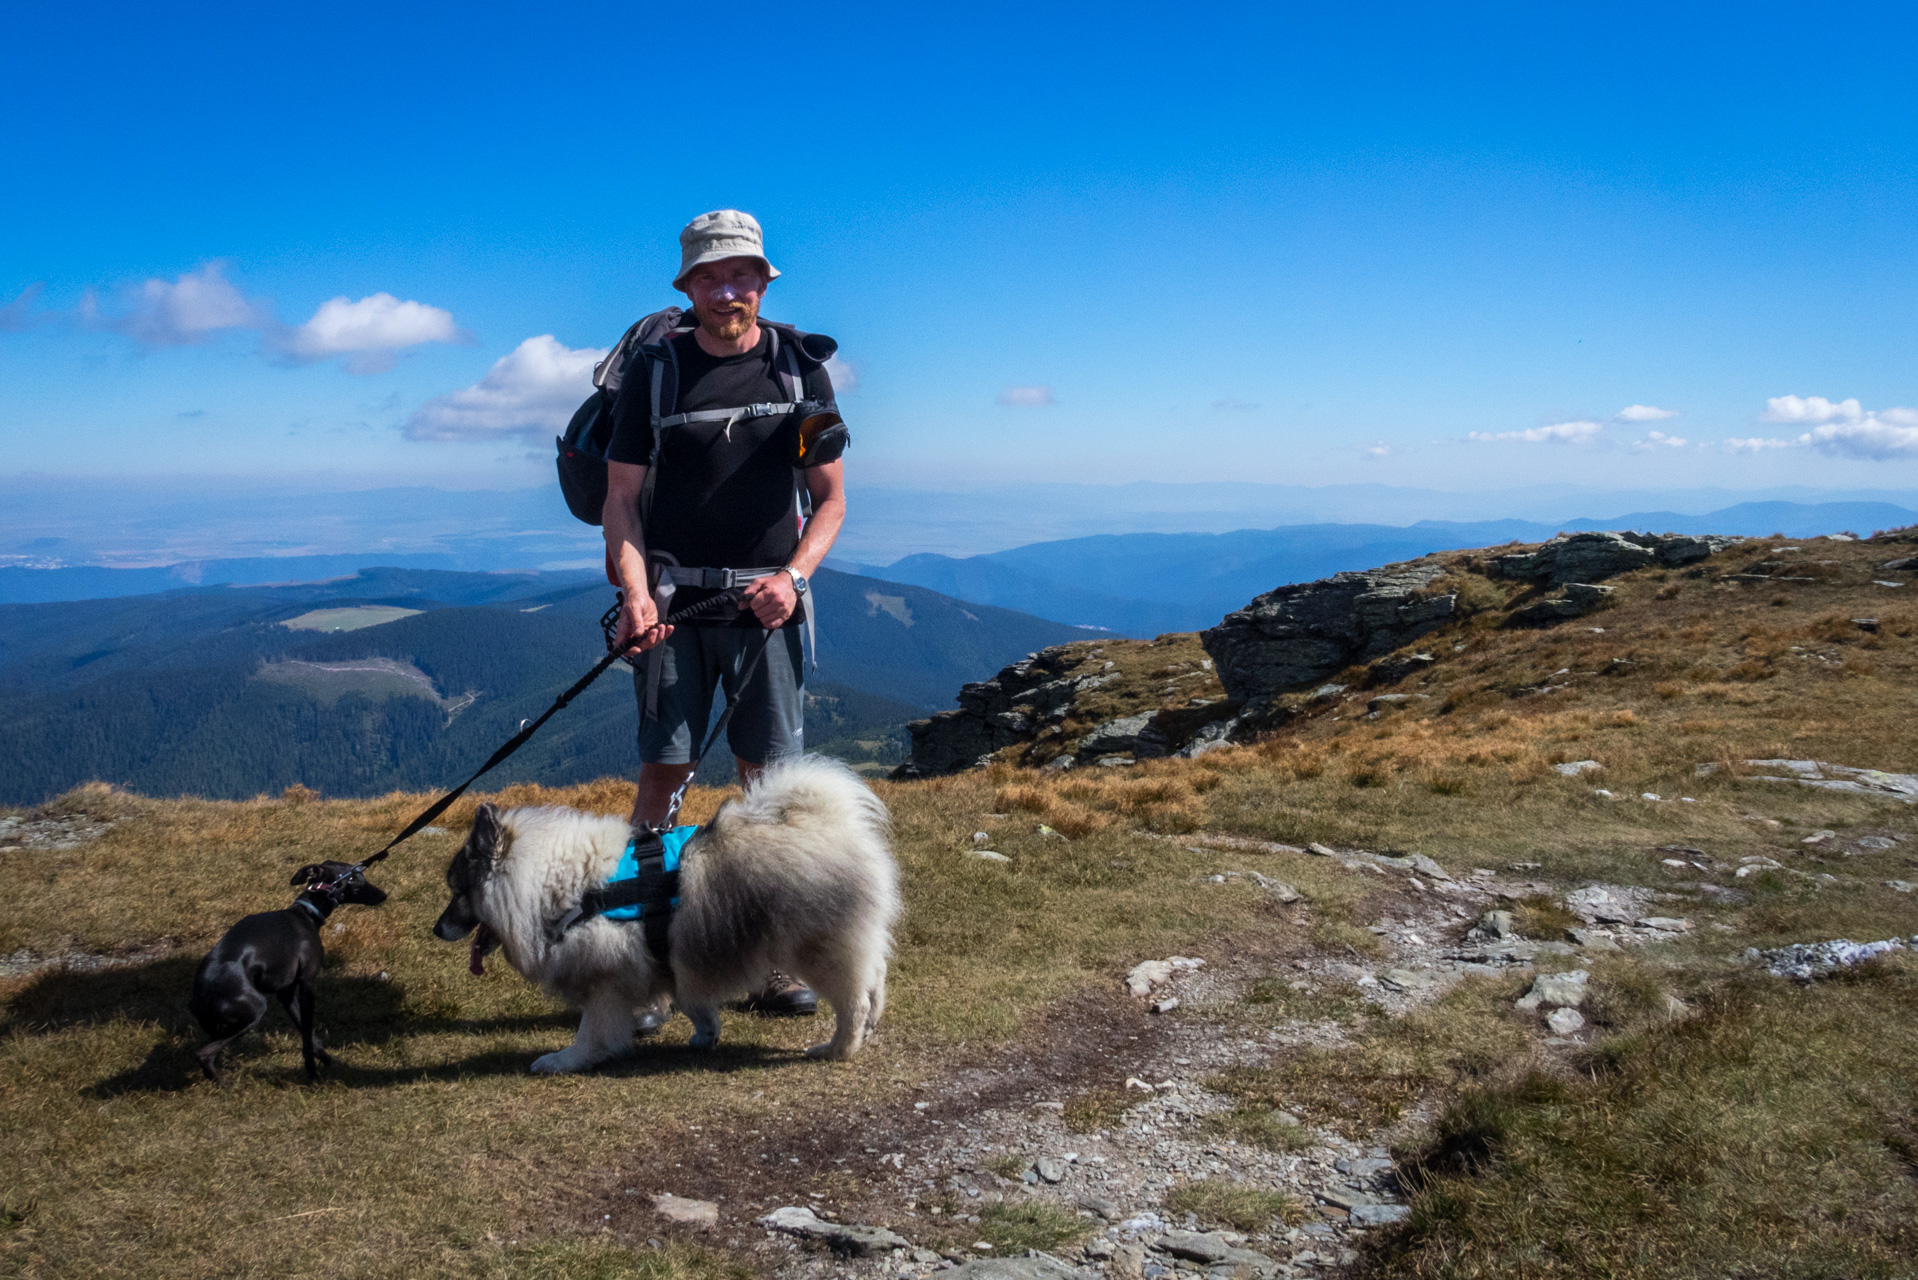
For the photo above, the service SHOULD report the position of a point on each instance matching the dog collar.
(319, 917)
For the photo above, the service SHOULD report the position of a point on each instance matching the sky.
(1455, 247)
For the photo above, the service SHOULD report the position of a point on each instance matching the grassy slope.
(1771, 1130)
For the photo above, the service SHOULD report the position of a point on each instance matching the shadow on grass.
(170, 1067)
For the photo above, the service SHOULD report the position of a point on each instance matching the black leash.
(608, 624)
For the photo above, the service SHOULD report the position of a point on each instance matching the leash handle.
(609, 627)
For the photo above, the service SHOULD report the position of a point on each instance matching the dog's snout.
(449, 929)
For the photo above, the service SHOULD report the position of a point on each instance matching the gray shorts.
(769, 723)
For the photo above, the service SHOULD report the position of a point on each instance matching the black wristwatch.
(800, 585)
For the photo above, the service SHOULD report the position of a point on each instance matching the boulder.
(842, 1238)
(1563, 990)
(1295, 635)
(1592, 557)
(1034, 1266)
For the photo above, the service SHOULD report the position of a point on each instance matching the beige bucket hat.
(723, 233)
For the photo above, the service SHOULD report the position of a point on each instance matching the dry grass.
(1219, 1202)
(1764, 1136)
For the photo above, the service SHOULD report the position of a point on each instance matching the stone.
(1497, 924)
(1565, 989)
(1666, 924)
(1129, 733)
(987, 855)
(1379, 1215)
(1572, 768)
(1587, 558)
(1563, 1022)
(1836, 777)
(1104, 1208)
(1199, 1246)
(1900, 886)
(1818, 837)
(1321, 850)
(1363, 1167)
(1385, 702)
(1876, 842)
(1807, 960)
(842, 1238)
(1579, 599)
(1128, 1262)
(1034, 1266)
(1299, 634)
(1050, 1169)
(925, 1257)
(1422, 863)
(692, 1213)
(1592, 940)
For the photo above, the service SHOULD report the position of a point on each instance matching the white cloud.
(1655, 440)
(1756, 444)
(369, 331)
(189, 310)
(530, 391)
(1876, 436)
(1845, 428)
(1379, 450)
(844, 376)
(1026, 397)
(1810, 409)
(1564, 432)
(1643, 413)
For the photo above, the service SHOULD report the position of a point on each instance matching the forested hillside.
(209, 692)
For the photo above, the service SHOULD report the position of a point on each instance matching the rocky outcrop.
(1578, 599)
(1000, 712)
(1593, 557)
(1295, 635)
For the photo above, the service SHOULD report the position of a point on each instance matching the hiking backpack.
(582, 446)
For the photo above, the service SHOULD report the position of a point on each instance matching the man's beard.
(731, 324)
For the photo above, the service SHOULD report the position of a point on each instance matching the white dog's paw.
(553, 1064)
(828, 1050)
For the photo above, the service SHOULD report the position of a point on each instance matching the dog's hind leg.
(851, 998)
(606, 1028)
(298, 1000)
(226, 1019)
(705, 1025)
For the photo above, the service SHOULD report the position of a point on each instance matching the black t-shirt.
(722, 497)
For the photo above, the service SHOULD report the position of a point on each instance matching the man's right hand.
(639, 626)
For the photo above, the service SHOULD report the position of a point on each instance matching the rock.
(1294, 635)
(1422, 863)
(1398, 666)
(1901, 886)
(1497, 924)
(1566, 989)
(1128, 1262)
(1572, 768)
(1666, 924)
(1199, 1246)
(1385, 702)
(1104, 1208)
(1836, 777)
(1876, 843)
(1034, 1266)
(1807, 960)
(1281, 890)
(843, 1238)
(1321, 850)
(925, 1257)
(1409, 979)
(987, 855)
(1579, 599)
(1379, 1215)
(1592, 940)
(694, 1213)
(1364, 1167)
(1587, 558)
(1130, 733)
(1050, 1169)
(1563, 1022)
(1607, 903)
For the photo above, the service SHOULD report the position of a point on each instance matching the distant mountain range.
(408, 678)
(1144, 584)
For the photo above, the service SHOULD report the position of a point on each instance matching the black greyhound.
(275, 953)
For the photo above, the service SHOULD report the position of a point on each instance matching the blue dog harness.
(644, 887)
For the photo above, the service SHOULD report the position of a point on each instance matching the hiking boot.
(781, 997)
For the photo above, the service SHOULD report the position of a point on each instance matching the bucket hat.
(723, 233)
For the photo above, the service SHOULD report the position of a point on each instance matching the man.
(726, 452)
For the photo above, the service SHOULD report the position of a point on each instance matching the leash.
(608, 625)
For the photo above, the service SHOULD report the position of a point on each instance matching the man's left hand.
(772, 600)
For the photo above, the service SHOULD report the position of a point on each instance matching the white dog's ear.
(484, 842)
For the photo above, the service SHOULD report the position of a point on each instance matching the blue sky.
(1449, 246)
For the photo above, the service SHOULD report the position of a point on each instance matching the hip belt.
(671, 575)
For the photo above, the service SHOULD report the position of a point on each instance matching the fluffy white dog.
(795, 875)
